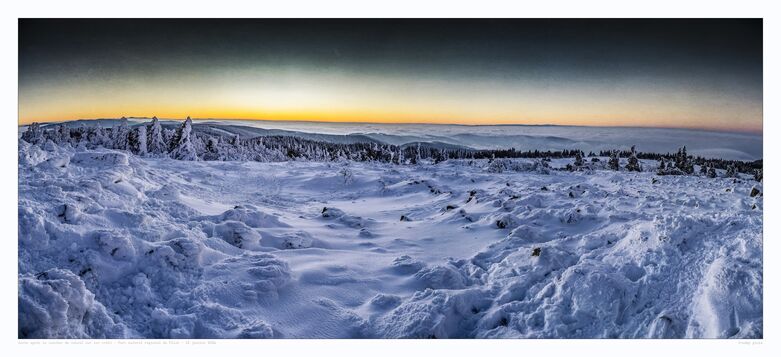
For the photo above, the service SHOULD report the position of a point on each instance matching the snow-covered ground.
(116, 245)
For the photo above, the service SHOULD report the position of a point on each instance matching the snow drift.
(114, 245)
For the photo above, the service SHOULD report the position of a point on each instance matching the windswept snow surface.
(114, 245)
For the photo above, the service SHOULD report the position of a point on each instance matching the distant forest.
(182, 143)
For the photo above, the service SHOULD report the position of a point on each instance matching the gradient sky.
(666, 73)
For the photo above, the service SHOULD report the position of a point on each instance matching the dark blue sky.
(647, 72)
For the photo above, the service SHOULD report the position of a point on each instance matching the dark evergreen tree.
(63, 136)
(711, 172)
(683, 163)
(34, 134)
(137, 140)
(758, 175)
(731, 171)
(578, 158)
(633, 164)
(614, 162)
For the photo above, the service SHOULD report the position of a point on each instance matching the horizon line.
(720, 130)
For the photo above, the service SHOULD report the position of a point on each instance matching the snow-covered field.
(116, 245)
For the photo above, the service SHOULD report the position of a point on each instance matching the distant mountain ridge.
(733, 146)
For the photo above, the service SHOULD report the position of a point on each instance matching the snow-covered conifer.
(711, 172)
(119, 136)
(154, 142)
(62, 136)
(98, 137)
(731, 171)
(683, 163)
(33, 134)
(137, 140)
(633, 164)
(211, 144)
(181, 144)
(578, 158)
(614, 162)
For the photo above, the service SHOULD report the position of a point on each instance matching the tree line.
(182, 143)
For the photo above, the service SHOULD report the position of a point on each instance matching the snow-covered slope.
(116, 245)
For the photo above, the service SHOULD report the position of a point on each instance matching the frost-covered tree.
(758, 175)
(97, 136)
(119, 136)
(62, 135)
(438, 157)
(666, 168)
(578, 158)
(212, 147)
(711, 172)
(173, 141)
(141, 132)
(181, 145)
(703, 170)
(633, 164)
(396, 155)
(33, 134)
(347, 175)
(731, 171)
(154, 140)
(614, 162)
(137, 140)
(414, 159)
(683, 162)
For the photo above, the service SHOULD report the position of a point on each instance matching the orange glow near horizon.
(342, 97)
(396, 119)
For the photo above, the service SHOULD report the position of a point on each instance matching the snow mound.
(352, 221)
(295, 240)
(56, 304)
(117, 245)
(237, 234)
(246, 278)
(99, 159)
(251, 216)
(434, 314)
